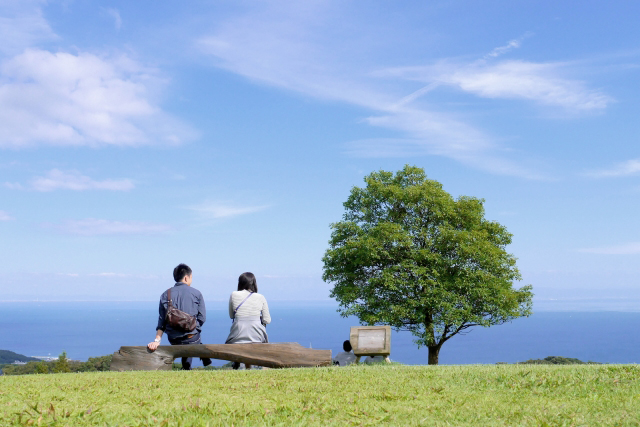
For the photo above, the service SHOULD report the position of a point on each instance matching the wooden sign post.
(371, 341)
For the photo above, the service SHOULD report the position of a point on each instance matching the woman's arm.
(231, 313)
(266, 317)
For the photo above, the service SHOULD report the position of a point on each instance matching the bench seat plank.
(272, 355)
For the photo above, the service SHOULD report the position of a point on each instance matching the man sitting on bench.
(188, 300)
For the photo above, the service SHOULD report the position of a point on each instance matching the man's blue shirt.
(184, 298)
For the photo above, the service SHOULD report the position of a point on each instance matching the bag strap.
(236, 310)
(169, 302)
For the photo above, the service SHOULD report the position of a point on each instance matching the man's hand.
(154, 345)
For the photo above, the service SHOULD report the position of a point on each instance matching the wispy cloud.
(115, 14)
(632, 248)
(96, 227)
(218, 210)
(5, 216)
(22, 24)
(13, 185)
(74, 180)
(628, 168)
(295, 47)
(514, 79)
(109, 274)
(512, 44)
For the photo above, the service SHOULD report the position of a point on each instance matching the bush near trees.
(557, 360)
(409, 255)
(62, 364)
(94, 364)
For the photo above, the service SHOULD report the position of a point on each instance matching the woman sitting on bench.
(250, 314)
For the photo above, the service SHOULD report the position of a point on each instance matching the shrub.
(556, 360)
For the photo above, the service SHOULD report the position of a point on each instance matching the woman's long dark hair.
(247, 281)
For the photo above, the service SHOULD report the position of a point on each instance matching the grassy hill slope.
(7, 356)
(500, 395)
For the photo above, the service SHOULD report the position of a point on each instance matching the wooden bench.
(371, 341)
(276, 355)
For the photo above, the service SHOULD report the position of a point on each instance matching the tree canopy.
(408, 255)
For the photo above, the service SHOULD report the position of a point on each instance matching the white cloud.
(70, 100)
(94, 227)
(115, 14)
(626, 249)
(222, 210)
(628, 168)
(5, 216)
(74, 180)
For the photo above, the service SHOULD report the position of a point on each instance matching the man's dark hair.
(180, 272)
(346, 346)
(247, 281)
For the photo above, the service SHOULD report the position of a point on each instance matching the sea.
(86, 329)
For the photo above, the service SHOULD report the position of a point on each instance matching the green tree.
(41, 368)
(62, 364)
(408, 255)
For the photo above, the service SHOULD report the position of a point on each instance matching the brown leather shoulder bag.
(178, 319)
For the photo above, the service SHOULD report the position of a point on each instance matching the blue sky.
(227, 135)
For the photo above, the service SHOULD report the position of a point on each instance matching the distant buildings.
(45, 358)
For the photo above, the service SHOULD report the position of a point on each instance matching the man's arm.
(202, 312)
(162, 314)
(154, 344)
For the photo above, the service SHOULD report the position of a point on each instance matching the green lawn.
(478, 395)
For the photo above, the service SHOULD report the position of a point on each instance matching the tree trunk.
(434, 351)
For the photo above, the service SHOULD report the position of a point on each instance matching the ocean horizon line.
(560, 305)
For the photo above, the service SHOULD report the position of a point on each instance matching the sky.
(226, 135)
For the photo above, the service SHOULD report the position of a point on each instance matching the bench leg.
(386, 359)
(357, 359)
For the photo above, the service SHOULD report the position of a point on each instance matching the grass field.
(478, 395)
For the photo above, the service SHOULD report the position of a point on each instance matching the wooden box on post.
(371, 341)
